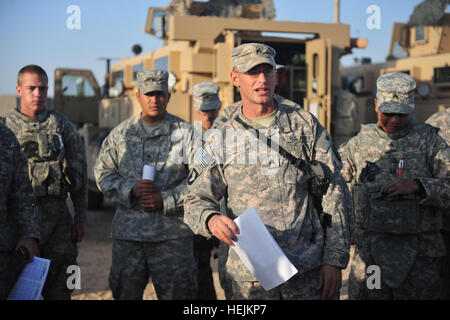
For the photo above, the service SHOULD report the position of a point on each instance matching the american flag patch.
(203, 158)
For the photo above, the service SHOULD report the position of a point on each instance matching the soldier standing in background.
(398, 171)
(57, 168)
(441, 120)
(19, 221)
(279, 191)
(149, 236)
(205, 98)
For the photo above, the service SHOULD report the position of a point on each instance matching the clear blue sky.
(34, 31)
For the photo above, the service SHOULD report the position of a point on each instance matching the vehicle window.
(137, 68)
(77, 86)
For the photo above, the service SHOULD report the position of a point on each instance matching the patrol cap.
(395, 93)
(152, 80)
(206, 96)
(249, 55)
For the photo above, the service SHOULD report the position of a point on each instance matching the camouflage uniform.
(441, 120)
(57, 167)
(398, 234)
(205, 96)
(18, 215)
(156, 244)
(229, 113)
(296, 226)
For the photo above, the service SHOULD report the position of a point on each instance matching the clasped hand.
(148, 194)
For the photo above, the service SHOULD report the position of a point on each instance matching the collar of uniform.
(39, 118)
(282, 120)
(164, 129)
(399, 134)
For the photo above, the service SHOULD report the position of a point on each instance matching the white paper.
(260, 253)
(31, 281)
(148, 173)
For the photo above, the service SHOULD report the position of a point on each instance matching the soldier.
(57, 168)
(205, 96)
(441, 120)
(149, 236)
(19, 221)
(274, 186)
(399, 172)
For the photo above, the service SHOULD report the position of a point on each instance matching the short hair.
(31, 68)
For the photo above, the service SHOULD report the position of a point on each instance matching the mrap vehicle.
(198, 40)
(420, 48)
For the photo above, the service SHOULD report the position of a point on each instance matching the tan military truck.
(420, 48)
(197, 47)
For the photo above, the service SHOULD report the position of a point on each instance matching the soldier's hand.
(330, 280)
(78, 231)
(399, 186)
(221, 227)
(31, 245)
(144, 187)
(152, 202)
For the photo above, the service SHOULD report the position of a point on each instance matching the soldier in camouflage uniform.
(277, 189)
(398, 171)
(441, 120)
(57, 168)
(205, 98)
(19, 221)
(149, 236)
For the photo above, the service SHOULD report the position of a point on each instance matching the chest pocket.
(296, 147)
(244, 165)
(130, 155)
(378, 212)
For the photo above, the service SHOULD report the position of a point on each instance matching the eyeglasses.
(255, 72)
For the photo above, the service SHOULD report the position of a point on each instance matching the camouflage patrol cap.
(206, 96)
(152, 80)
(249, 55)
(395, 93)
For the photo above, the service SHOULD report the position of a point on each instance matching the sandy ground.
(94, 260)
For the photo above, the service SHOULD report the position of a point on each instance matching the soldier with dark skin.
(398, 171)
(57, 169)
(149, 236)
(19, 221)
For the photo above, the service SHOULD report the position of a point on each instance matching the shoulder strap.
(297, 162)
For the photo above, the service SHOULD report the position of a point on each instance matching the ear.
(19, 90)
(168, 97)
(138, 94)
(235, 78)
(376, 104)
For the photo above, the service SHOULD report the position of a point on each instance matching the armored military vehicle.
(420, 48)
(198, 39)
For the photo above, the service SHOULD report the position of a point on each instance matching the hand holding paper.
(260, 253)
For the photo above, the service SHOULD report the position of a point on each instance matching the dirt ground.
(94, 260)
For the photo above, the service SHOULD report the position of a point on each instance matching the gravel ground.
(95, 261)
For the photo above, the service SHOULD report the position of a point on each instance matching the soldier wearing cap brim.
(398, 171)
(277, 190)
(149, 236)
